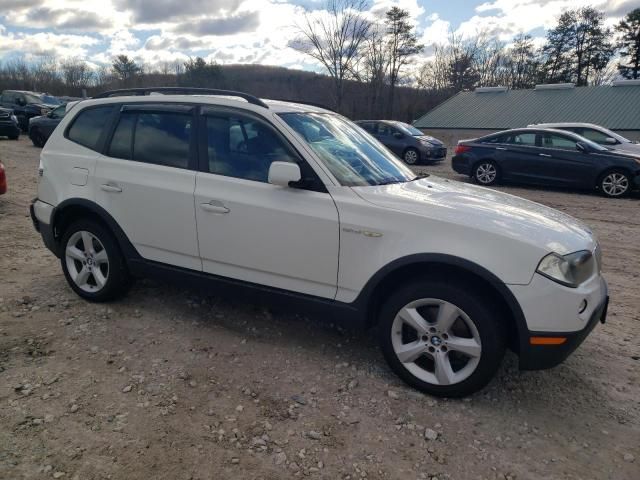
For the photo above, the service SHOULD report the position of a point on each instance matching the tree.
(125, 69)
(629, 29)
(76, 73)
(578, 47)
(522, 63)
(199, 73)
(375, 60)
(402, 45)
(334, 38)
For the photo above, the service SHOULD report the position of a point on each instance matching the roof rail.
(181, 91)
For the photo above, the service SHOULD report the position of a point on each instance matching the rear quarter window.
(88, 126)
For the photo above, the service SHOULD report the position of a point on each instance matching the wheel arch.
(73, 209)
(450, 268)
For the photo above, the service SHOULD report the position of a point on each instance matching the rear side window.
(88, 126)
(161, 138)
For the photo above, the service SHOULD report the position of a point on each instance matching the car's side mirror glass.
(611, 141)
(283, 173)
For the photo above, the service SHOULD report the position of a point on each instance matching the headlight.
(14, 119)
(569, 270)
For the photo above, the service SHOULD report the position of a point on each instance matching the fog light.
(583, 306)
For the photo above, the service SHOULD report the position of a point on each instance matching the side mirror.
(610, 141)
(20, 102)
(398, 135)
(282, 173)
(582, 147)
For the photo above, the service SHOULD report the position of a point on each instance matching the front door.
(566, 164)
(254, 231)
(146, 181)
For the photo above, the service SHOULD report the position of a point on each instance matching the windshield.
(30, 98)
(592, 144)
(352, 156)
(408, 129)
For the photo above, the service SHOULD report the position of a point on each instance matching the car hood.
(429, 139)
(484, 209)
(631, 149)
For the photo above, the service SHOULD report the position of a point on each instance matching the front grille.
(4, 115)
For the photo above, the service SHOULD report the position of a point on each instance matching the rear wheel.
(486, 172)
(92, 262)
(615, 184)
(441, 338)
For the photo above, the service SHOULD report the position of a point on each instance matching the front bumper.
(433, 154)
(9, 129)
(542, 356)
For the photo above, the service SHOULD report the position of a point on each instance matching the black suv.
(406, 141)
(26, 105)
(8, 124)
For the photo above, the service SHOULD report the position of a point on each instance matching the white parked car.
(596, 133)
(228, 190)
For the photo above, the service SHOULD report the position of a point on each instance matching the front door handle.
(500, 148)
(544, 155)
(110, 188)
(214, 206)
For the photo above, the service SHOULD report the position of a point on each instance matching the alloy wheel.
(411, 157)
(436, 341)
(486, 173)
(87, 261)
(615, 184)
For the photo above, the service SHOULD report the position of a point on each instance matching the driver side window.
(243, 147)
(552, 140)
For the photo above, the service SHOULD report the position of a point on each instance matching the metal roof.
(615, 107)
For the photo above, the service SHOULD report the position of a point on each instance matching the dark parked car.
(406, 141)
(26, 105)
(41, 128)
(547, 157)
(8, 124)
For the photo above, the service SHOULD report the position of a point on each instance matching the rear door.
(254, 231)
(517, 156)
(146, 181)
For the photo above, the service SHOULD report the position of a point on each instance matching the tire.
(615, 183)
(411, 156)
(37, 138)
(486, 172)
(435, 364)
(95, 268)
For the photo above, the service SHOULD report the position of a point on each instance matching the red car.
(3, 180)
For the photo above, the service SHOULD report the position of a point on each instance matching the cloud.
(9, 5)
(241, 22)
(45, 43)
(166, 11)
(64, 19)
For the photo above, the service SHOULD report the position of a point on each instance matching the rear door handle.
(110, 188)
(544, 155)
(214, 206)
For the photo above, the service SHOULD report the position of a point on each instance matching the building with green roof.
(490, 109)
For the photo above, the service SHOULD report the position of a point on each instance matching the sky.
(244, 31)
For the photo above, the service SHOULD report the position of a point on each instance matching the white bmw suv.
(267, 197)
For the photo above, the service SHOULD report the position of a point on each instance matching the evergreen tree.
(629, 45)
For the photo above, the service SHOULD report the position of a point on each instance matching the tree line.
(374, 68)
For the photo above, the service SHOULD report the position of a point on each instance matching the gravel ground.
(170, 384)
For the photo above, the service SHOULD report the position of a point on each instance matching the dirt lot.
(170, 384)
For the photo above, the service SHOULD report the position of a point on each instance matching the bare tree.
(334, 38)
(76, 73)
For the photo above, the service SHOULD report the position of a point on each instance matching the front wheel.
(615, 184)
(411, 156)
(486, 172)
(37, 138)
(442, 339)
(92, 262)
